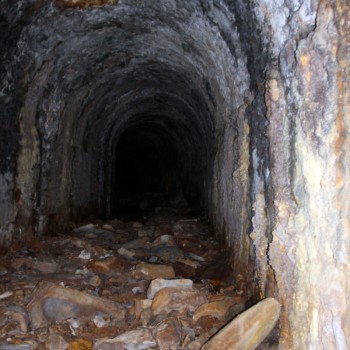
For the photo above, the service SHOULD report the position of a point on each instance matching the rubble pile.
(160, 284)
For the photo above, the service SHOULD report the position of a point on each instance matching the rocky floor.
(157, 284)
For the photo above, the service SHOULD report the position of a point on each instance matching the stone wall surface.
(308, 110)
(251, 97)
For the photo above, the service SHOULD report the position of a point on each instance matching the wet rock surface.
(53, 296)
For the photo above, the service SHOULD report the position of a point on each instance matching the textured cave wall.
(308, 106)
(254, 95)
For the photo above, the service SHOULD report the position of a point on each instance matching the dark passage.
(146, 171)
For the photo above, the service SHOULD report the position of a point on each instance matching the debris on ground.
(158, 284)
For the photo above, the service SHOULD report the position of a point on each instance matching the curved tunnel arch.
(97, 72)
(127, 70)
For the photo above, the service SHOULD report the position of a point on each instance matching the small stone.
(168, 334)
(164, 240)
(188, 262)
(137, 243)
(83, 271)
(80, 243)
(6, 294)
(56, 342)
(146, 316)
(150, 272)
(175, 299)
(101, 320)
(95, 281)
(134, 340)
(141, 253)
(249, 329)
(218, 309)
(84, 255)
(86, 228)
(153, 259)
(126, 253)
(132, 287)
(171, 254)
(158, 284)
(137, 290)
(196, 257)
(137, 225)
(19, 293)
(80, 344)
(51, 303)
(43, 266)
(108, 227)
(110, 264)
(74, 324)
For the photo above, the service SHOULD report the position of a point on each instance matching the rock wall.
(308, 109)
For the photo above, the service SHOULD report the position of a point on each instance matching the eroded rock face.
(248, 100)
(307, 108)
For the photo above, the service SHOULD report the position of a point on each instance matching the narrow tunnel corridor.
(232, 111)
(148, 171)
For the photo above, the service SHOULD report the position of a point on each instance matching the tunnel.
(238, 110)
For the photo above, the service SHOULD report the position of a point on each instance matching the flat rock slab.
(138, 339)
(159, 283)
(51, 303)
(249, 329)
(177, 299)
(150, 272)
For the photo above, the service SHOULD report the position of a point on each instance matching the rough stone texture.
(137, 340)
(111, 264)
(168, 334)
(246, 105)
(157, 284)
(308, 109)
(177, 299)
(218, 309)
(150, 272)
(249, 329)
(51, 303)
